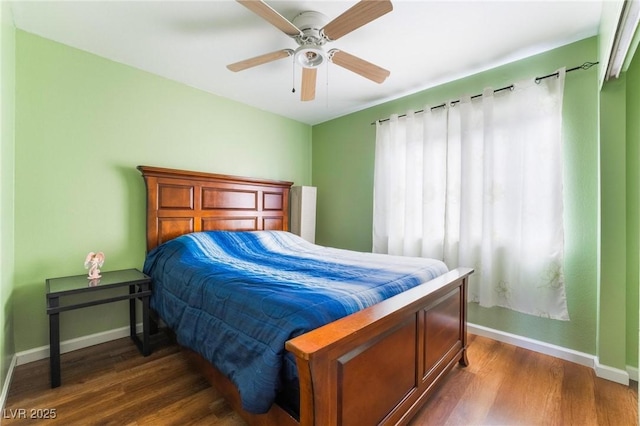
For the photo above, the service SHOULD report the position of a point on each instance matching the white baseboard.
(603, 371)
(7, 382)
(42, 352)
(534, 345)
(613, 374)
(633, 373)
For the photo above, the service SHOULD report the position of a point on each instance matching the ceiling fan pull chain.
(293, 76)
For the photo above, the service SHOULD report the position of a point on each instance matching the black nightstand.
(58, 288)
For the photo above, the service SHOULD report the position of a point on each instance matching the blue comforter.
(237, 297)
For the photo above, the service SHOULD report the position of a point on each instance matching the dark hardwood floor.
(111, 384)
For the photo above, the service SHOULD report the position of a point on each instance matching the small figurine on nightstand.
(93, 262)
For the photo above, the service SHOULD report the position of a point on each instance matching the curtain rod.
(584, 66)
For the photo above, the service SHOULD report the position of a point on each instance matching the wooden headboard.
(180, 201)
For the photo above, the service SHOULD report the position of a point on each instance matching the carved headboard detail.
(180, 201)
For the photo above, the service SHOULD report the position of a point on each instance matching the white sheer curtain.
(479, 183)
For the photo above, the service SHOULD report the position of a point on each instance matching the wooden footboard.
(380, 364)
(377, 366)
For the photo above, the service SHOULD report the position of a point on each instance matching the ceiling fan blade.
(308, 90)
(358, 15)
(267, 13)
(359, 66)
(259, 60)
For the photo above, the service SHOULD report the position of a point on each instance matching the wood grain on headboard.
(180, 201)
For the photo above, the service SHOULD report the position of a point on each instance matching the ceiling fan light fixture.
(310, 56)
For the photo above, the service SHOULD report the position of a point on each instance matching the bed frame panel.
(377, 366)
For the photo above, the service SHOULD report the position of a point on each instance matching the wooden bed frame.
(376, 366)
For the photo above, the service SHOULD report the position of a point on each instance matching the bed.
(374, 366)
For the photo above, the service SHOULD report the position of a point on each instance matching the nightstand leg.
(54, 345)
(132, 312)
(146, 346)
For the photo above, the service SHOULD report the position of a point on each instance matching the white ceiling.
(422, 43)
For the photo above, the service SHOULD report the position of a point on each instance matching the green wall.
(620, 183)
(343, 152)
(7, 146)
(83, 123)
(633, 206)
(613, 269)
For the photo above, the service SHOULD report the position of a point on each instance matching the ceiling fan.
(311, 32)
